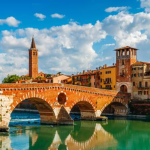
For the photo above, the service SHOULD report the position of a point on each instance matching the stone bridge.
(55, 101)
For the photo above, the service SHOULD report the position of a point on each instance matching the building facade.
(108, 77)
(85, 78)
(141, 81)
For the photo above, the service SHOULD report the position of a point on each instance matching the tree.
(11, 78)
(48, 75)
(59, 73)
(40, 77)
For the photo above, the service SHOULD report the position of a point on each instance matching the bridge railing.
(28, 86)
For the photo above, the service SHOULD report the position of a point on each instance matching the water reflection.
(84, 135)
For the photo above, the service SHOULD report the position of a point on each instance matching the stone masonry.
(91, 101)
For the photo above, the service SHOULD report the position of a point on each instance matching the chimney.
(83, 71)
(100, 67)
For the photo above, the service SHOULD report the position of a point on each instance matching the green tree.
(59, 73)
(40, 78)
(48, 75)
(11, 78)
(89, 81)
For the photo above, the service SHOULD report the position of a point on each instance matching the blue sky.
(71, 35)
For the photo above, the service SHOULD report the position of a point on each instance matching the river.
(117, 134)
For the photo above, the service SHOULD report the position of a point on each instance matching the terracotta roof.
(109, 67)
(33, 43)
(87, 73)
(27, 75)
(125, 48)
(140, 63)
(41, 72)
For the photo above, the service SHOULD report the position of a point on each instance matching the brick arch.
(27, 95)
(83, 99)
(86, 108)
(45, 110)
(117, 100)
(124, 84)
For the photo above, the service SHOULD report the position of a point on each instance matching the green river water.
(84, 135)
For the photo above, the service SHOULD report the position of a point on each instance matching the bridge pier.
(5, 102)
(87, 115)
(63, 118)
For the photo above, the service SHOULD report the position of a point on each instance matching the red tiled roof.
(125, 48)
(140, 63)
(109, 67)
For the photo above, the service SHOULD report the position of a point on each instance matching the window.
(145, 92)
(108, 80)
(140, 68)
(138, 74)
(146, 84)
(139, 92)
(123, 53)
(140, 84)
(108, 86)
(133, 83)
(122, 62)
(108, 72)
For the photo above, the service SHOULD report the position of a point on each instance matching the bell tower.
(33, 60)
(125, 57)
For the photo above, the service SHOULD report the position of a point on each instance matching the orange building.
(85, 78)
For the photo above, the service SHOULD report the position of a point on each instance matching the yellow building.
(108, 77)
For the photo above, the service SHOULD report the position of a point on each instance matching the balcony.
(107, 82)
(147, 75)
(143, 88)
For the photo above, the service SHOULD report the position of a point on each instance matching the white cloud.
(40, 16)
(103, 59)
(56, 15)
(10, 21)
(67, 48)
(111, 44)
(145, 4)
(112, 9)
(126, 28)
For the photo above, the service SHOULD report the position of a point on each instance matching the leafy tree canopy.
(11, 78)
(40, 78)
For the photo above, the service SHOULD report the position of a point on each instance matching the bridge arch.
(116, 107)
(45, 110)
(86, 109)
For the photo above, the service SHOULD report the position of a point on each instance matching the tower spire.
(33, 60)
(33, 43)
